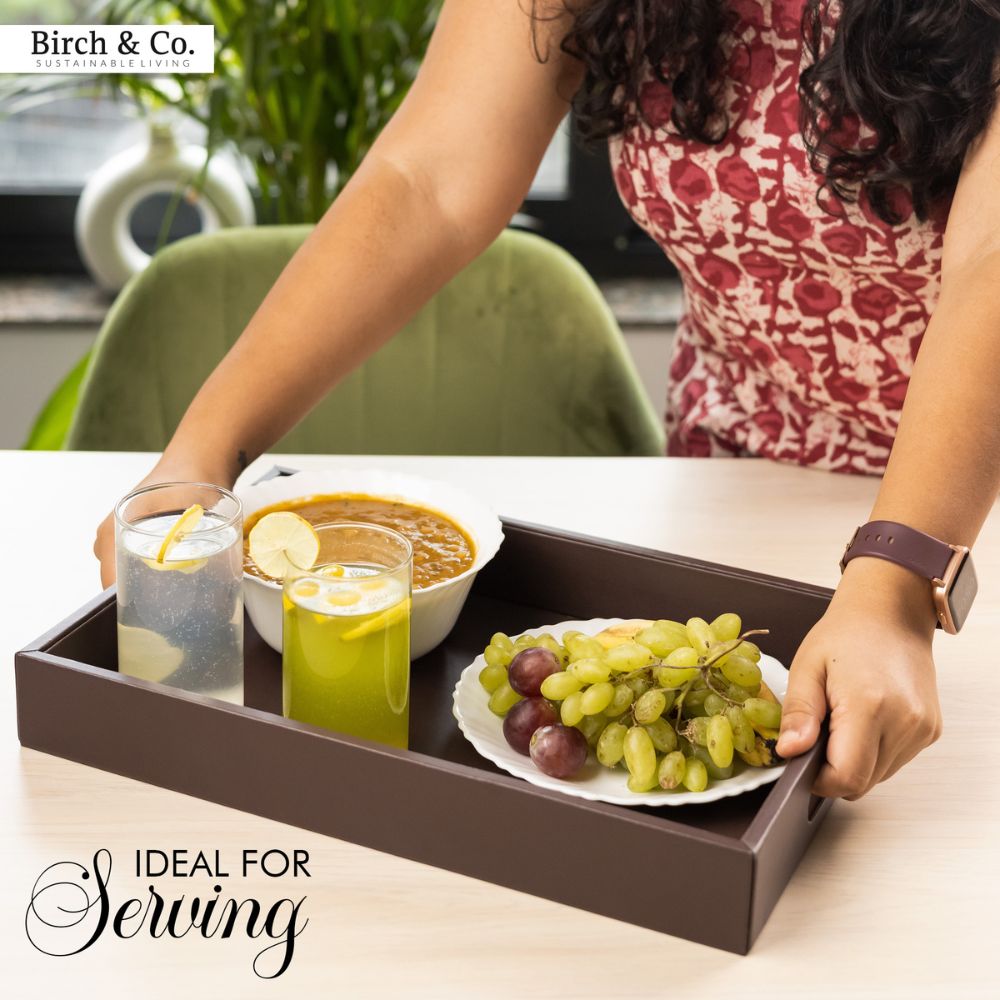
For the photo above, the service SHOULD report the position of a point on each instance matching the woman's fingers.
(104, 549)
(852, 755)
(804, 706)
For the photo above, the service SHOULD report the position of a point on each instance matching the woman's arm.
(438, 186)
(870, 656)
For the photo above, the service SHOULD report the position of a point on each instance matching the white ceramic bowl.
(435, 608)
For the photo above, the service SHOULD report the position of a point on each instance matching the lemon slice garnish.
(380, 621)
(147, 654)
(282, 540)
(343, 598)
(180, 566)
(333, 570)
(184, 524)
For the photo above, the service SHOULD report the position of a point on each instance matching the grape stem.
(706, 663)
(704, 666)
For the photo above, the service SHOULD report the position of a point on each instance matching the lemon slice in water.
(180, 566)
(281, 539)
(380, 621)
(147, 654)
(182, 526)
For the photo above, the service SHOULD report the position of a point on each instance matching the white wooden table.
(897, 897)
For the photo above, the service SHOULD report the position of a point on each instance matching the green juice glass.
(346, 634)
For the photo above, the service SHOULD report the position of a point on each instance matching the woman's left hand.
(868, 660)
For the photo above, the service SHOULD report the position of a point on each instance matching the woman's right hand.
(167, 470)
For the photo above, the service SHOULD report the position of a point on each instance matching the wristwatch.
(948, 567)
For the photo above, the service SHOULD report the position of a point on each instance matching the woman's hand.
(869, 661)
(167, 470)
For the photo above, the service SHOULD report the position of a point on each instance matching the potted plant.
(301, 88)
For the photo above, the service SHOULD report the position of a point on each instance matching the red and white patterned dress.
(801, 327)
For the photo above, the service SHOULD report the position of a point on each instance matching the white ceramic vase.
(158, 166)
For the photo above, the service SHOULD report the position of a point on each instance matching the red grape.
(524, 718)
(559, 751)
(529, 668)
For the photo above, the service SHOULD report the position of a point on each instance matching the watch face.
(963, 592)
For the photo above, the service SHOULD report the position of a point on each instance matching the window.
(50, 147)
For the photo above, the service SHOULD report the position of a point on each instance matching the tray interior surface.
(433, 730)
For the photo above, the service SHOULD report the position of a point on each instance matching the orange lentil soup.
(441, 549)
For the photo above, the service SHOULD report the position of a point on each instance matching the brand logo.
(93, 48)
(71, 907)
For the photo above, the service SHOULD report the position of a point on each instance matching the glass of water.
(180, 588)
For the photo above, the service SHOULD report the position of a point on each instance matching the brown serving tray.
(439, 802)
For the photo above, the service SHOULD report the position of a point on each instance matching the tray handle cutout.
(815, 804)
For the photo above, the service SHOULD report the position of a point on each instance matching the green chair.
(518, 355)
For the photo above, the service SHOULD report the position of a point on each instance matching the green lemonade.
(346, 663)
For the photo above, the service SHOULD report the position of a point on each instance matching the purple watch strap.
(923, 554)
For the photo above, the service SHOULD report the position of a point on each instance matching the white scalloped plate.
(485, 732)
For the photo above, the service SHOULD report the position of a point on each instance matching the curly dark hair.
(921, 75)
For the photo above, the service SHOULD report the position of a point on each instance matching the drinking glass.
(180, 599)
(346, 634)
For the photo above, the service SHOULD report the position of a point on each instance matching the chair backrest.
(518, 355)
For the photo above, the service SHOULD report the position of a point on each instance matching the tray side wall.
(590, 578)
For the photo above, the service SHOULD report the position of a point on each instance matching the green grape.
(698, 684)
(611, 745)
(640, 754)
(628, 656)
(503, 642)
(546, 641)
(596, 698)
(660, 640)
(503, 699)
(669, 698)
(719, 652)
(762, 713)
(720, 740)
(672, 677)
(582, 647)
(697, 731)
(748, 649)
(649, 707)
(715, 772)
(714, 705)
(591, 726)
(662, 734)
(694, 704)
(558, 686)
(684, 745)
(727, 626)
(736, 693)
(653, 640)
(671, 770)
(635, 785)
(695, 775)
(639, 684)
(700, 635)
(743, 734)
(571, 710)
(620, 702)
(571, 634)
(492, 677)
(496, 657)
(590, 670)
(739, 670)
(683, 656)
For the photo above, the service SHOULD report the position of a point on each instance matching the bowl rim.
(486, 549)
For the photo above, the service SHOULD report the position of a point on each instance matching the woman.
(824, 177)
